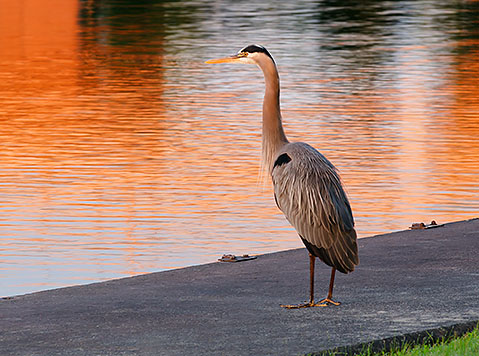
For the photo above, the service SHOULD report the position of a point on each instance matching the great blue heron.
(307, 187)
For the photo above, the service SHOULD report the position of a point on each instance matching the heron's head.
(252, 54)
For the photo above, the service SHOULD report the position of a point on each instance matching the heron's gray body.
(309, 192)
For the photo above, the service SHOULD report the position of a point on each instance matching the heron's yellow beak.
(231, 59)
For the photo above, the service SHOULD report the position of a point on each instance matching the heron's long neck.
(273, 133)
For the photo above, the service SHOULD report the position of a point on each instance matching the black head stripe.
(256, 48)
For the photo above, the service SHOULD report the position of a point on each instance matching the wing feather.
(309, 192)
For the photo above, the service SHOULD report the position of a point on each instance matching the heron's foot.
(298, 306)
(327, 302)
(323, 303)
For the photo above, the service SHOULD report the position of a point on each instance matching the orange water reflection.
(122, 153)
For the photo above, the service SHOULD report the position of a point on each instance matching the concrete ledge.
(407, 282)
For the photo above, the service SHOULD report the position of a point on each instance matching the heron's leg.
(329, 299)
(311, 288)
(311, 278)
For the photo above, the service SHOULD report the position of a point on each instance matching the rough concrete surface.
(406, 282)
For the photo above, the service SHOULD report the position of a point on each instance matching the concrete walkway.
(407, 282)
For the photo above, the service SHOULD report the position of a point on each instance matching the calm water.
(122, 152)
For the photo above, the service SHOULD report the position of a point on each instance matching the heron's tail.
(342, 255)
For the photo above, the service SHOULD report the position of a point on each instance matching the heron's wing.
(309, 192)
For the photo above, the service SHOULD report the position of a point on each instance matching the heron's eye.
(243, 54)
